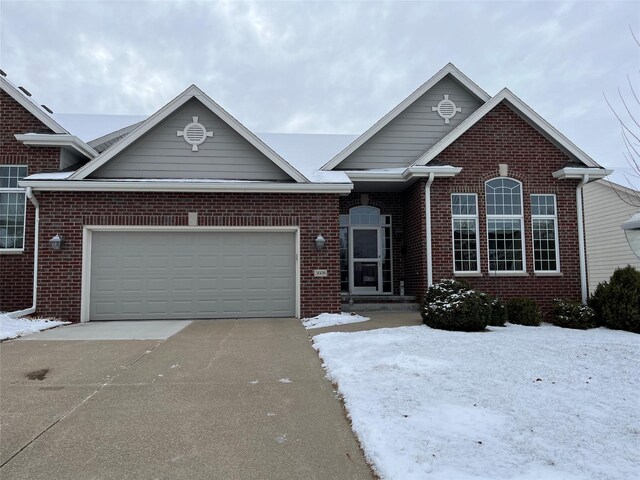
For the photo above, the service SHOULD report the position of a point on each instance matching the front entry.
(366, 267)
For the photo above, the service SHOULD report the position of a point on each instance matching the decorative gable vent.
(446, 109)
(194, 134)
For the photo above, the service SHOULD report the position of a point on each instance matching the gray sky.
(325, 67)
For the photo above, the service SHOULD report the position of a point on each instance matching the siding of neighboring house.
(160, 153)
(16, 270)
(60, 282)
(414, 131)
(503, 137)
(606, 207)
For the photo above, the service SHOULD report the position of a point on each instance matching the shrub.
(453, 305)
(498, 312)
(617, 302)
(570, 314)
(524, 311)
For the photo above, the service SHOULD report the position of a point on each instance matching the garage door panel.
(155, 275)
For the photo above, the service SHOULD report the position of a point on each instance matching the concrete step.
(381, 307)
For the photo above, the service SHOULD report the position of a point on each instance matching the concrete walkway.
(231, 399)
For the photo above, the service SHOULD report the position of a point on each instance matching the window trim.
(475, 217)
(553, 217)
(520, 218)
(10, 251)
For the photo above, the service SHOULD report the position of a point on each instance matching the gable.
(415, 130)
(161, 153)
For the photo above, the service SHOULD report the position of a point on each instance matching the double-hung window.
(12, 208)
(544, 228)
(505, 229)
(464, 214)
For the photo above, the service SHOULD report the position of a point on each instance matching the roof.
(448, 69)
(89, 127)
(191, 92)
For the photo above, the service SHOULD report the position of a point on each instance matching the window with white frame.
(505, 230)
(544, 229)
(464, 214)
(12, 207)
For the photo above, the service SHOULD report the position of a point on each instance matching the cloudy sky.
(325, 67)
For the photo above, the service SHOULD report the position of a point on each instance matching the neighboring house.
(188, 214)
(607, 206)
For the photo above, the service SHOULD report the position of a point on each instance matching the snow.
(18, 327)
(510, 403)
(331, 319)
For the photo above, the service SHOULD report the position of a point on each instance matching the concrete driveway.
(227, 399)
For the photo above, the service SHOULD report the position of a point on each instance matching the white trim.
(526, 111)
(402, 175)
(427, 220)
(507, 217)
(475, 217)
(448, 69)
(584, 288)
(87, 234)
(23, 191)
(57, 140)
(578, 173)
(189, 186)
(30, 106)
(553, 217)
(168, 109)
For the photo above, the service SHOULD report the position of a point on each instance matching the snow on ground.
(511, 403)
(331, 319)
(18, 327)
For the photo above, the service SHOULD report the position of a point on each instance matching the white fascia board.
(446, 171)
(449, 69)
(535, 119)
(191, 186)
(580, 172)
(402, 175)
(168, 109)
(57, 140)
(31, 106)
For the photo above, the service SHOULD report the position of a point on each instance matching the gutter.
(32, 309)
(581, 250)
(427, 204)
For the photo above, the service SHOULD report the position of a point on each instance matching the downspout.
(427, 204)
(581, 248)
(32, 309)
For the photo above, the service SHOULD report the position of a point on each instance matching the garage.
(152, 275)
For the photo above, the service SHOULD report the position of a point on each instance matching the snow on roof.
(91, 126)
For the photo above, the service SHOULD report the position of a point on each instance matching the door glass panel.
(365, 243)
(365, 274)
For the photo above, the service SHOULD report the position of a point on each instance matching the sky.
(326, 67)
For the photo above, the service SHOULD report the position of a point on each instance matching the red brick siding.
(67, 212)
(503, 137)
(16, 270)
(389, 203)
(415, 242)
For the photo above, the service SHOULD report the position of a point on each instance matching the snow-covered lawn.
(331, 319)
(18, 327)
(534, 403)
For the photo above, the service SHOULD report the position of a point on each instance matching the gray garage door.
(174, 275)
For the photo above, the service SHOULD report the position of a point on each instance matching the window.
(464, 213)
(505, 225)
(544, 228)
(12, 207)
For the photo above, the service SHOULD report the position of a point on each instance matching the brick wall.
(389, 203)
(415, 240)
(503, 137)
(16, 270)
(66, 213)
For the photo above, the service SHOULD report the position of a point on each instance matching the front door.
(366, 266)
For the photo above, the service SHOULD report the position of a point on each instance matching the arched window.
(364, 216)
(505, 229)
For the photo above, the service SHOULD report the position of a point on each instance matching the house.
(188, 214)
(607, 205)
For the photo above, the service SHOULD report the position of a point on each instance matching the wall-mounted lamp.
(56, 242)
(320, 241)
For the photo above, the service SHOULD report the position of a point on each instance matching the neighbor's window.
(464, 214)
(12, 207)
(505, 225)
(544, 227)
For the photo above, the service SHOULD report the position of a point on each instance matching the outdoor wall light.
(632, 230)
(56, 242)
(320, 241)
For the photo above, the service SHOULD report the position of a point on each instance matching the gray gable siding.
(160, 153)
(414, 131)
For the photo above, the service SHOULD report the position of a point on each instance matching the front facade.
(190, 215)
